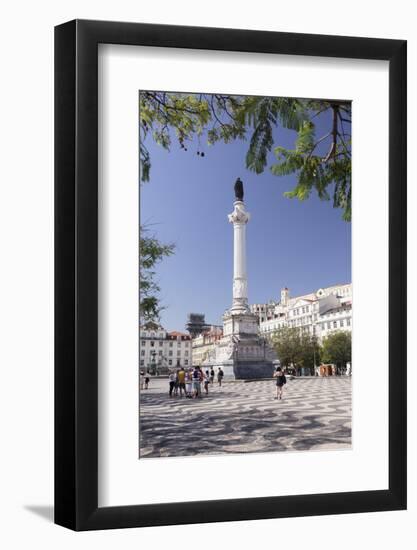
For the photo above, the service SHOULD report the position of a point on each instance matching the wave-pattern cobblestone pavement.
(239, 417)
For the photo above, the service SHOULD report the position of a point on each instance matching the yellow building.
(204, 343)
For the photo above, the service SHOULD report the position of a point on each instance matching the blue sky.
(302, 245)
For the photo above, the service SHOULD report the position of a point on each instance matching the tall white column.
(239, 218)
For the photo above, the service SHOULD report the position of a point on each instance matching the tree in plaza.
(151, 251)
(295, 348)
(321, 163)
(337, 349)
(285, 342)
(310, 351)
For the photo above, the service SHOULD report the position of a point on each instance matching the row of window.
(160, 344)
(302, 321)
(336, 324)
(153, 335)
(300, 310)
(329, 325)
(335, 312)
(163, 336)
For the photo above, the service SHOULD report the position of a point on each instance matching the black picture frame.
(76, 272)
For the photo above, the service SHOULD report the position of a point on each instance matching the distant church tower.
(285, 294)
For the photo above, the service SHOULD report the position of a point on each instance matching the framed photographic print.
(230, 275)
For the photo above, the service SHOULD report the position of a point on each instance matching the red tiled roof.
(175, 333)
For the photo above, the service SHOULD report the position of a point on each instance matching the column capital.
(239, 214)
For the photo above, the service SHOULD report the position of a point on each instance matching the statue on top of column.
(239, 190)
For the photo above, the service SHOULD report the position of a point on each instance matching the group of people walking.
(189, 383)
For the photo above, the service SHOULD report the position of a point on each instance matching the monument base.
(242, 353)
(247, 370)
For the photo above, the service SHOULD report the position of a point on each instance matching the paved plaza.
(240, 417)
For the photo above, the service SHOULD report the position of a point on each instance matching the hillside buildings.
(320, 313)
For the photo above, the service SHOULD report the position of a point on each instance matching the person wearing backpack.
(281, 380)
(147, 380)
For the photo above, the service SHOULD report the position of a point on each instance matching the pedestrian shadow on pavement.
(239, 430)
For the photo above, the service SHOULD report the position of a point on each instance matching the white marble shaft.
(239, 218)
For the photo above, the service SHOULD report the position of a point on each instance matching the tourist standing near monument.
(172, 380)
(197, 379)
(281, 380)
(220, 375)
(181, 381)
(189, 383)
(206, 381)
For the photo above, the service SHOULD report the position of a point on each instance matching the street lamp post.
(153, 367)
(314, 345)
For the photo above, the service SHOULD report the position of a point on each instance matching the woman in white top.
(188, 384)
(172, 381)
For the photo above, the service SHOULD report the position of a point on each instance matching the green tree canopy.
(310, 350)
(296, 347)
(151, 251)
(321, 163)
(337, 348)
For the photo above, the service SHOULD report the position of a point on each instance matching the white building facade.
(321, 313)
(162, 350)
